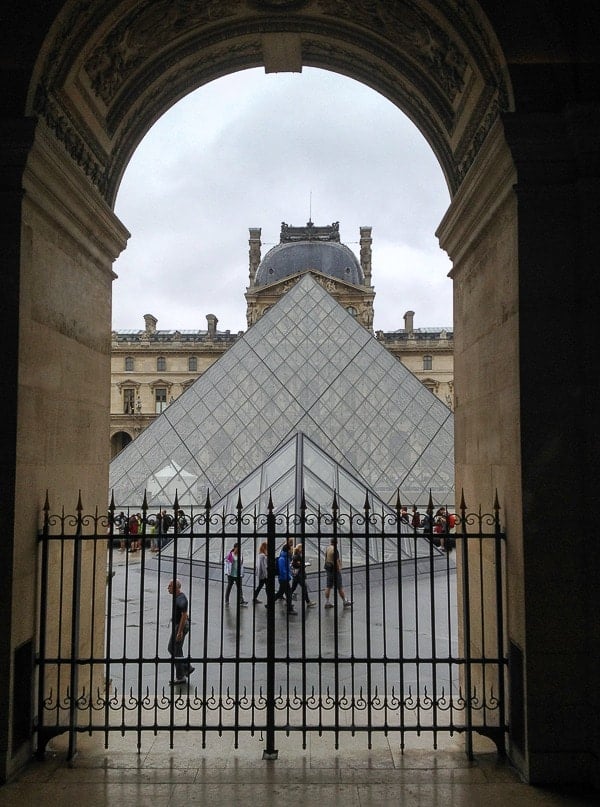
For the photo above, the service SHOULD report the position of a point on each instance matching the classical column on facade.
(365, 253)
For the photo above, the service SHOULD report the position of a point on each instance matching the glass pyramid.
(301, 478)
(306, 366)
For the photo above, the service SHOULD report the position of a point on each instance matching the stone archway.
(99, 88)
(104, 74)
(118, 441)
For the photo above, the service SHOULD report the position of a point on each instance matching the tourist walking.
(299, 575)
(180, 625)
(284, 573)
(262, 570)
(234, 569)
(333, 570)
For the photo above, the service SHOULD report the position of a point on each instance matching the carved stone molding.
(77, 145)
(407, 25)
(277, 5)
(135, 37)
(114, 67)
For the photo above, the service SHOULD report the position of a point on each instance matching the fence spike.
(366, 506)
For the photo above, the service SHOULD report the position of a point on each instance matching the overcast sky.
(253, 150)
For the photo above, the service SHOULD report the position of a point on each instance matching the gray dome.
(328, 258)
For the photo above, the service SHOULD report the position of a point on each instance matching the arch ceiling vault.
(111, 69)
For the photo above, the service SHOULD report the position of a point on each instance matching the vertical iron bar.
(467, 631)
(401, 613)
(320, 650)
(45, 538)
(483, 613)
(108, 612)
(384, 659)
(336, 637)
(500, 622)
(75, 618)
(303, 572)
(223, 555)
(367, 517)
(172, 624)
(207, 506)
(94, 541)
(270, 752)
(432, 617)
(140, 677)
(238, 607)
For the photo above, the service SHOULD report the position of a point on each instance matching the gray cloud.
(252, 150)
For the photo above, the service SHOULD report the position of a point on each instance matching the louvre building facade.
(150, 368)
(306, 366)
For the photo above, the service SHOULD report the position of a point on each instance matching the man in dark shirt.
(179, 629)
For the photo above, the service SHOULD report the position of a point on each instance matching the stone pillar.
(16, 139)
(558, 201)
(61, 240)
(254, 252)
(523, 276)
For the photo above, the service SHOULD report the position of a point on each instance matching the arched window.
(129, 364)
(427, 362)
(193, 364)
(351, 310)
(161, 364)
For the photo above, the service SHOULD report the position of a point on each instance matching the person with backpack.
(284, 573)
(299, 575)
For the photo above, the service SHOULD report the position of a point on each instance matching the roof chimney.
(254, 251)
(150, 321)
(409, 321)
(212, 325)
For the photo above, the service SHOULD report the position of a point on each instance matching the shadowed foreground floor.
(223, 775)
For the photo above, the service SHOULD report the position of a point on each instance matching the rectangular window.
(129, 364)
(160, 399)
(129, 401)
(192, 364)
(161, 364)
(427, 362)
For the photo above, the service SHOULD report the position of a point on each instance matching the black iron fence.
(411, 638)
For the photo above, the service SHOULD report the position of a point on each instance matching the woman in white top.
(261, 569)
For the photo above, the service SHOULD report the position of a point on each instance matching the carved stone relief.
(406, 23)
(134, 39)
(396, 47)
(66, 132)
